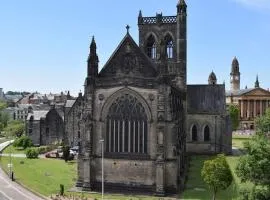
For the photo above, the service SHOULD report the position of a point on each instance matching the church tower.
(235, 75)
(163, 39)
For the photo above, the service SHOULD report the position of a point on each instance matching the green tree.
(255, 165)
(216, 174)
(4, 118)
(15, 128)
(3, 105)
(234, 115)
(262, 123)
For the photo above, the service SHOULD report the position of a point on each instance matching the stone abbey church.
(148, 116)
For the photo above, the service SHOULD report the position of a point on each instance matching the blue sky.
(44, 44)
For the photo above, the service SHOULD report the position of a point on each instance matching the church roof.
(206, 99)
(37, 114)
(69, 103)
(128, 60)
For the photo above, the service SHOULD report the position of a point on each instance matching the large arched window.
(169, 46)
(194, 133)
(151, 47)
(126, 126)
(206, 133)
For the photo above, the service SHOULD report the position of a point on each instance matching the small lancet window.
(151, 47)
(206, 134)
(169, 46)
(194, 133)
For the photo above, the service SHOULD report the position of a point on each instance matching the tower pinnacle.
(257, 83)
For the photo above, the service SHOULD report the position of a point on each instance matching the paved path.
(12, 191)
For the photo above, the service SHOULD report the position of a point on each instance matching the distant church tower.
(235, 75)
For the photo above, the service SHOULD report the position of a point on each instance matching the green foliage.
(255, 166)
(23, 142)
(234, 115)
(3, 105)
(32, 153)
(62, 189)
(4, 118)
(263, 122)
(15, 128)
(45, 149)
(66, 152)
(216, 174)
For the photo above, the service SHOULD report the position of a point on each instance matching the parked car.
(75, 149)
(52, 154)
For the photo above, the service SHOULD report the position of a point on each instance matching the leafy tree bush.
(15, 128)
(255, 165)
(23, 142)
(216, 174)
(32, 153)
(66, 153)
(263, 122)
(62, 189)
(234, 115)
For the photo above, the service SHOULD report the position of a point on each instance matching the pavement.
(10, 190)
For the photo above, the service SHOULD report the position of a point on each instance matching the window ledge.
(129, 156)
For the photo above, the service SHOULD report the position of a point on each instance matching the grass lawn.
(238, 141)
(197, 189)
(45, 176)
(42, 175)
(14, 150)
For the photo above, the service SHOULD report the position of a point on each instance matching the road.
(12, 191)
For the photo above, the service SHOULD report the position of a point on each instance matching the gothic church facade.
(138, 105)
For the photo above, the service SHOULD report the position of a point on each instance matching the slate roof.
(206, 99)
(119, 64)
(69, 103)
(38, 114)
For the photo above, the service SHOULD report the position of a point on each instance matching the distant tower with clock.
(235, 75)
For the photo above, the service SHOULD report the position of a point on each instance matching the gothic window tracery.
(169, 46)
(126, 126)
(151, 47)
(194, 133)
(206, 133)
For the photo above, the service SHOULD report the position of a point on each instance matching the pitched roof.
(128, 59)
(37, 114)
(208, 99)
(69, 103)
(244, 91)
(238, 92)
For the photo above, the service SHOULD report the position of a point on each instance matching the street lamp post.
(102, 167)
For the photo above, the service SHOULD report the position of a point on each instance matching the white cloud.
(256, 4)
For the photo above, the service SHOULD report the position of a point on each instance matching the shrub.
(32, 153)
(66, 154)
(23, 142)
(61, 189)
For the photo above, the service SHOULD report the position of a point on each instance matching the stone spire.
(257, 83)
(92, 59)
(235, 66)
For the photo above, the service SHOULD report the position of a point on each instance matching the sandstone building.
(148, 116)
(252, 102)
